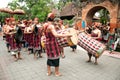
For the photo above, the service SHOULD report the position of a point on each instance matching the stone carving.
(69, 9)
(97, 1)
(85, 2)
(80, 13)
(114, 1)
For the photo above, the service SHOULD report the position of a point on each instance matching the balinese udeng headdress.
(7, 19)
(12, 19)
(25, 22)
(51, 15)
(36, 19)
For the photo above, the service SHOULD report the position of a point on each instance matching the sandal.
(49, 73)
(40, 56)
(63, 56)
(88, 61)
(58, 74)
(16, 60)
(96, 63)
(20, 58)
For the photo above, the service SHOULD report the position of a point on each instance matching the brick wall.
(89, 10)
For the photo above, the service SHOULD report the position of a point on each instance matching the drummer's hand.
(69, 35)
(94, 37)
(10, 33)
(89, 35)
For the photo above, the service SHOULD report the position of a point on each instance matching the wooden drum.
(91, 45)
(43, 41)
(65, 41)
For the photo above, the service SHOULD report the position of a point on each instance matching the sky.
(3, 3)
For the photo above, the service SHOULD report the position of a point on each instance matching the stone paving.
(72, 67)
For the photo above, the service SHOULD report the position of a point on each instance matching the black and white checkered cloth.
(63, 42)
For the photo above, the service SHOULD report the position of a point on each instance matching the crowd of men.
(36, 37)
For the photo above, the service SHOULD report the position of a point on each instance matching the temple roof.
(68, 10)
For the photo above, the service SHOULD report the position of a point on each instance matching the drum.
(29, 29)
(91, 45)
(18, 35)
(65, 41)
(43, 41)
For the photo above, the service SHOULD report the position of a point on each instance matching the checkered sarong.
(12, 42)
(8, 38)
(37, 44)
(30, 40)
(91, 45)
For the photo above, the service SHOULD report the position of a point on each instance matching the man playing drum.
(89, 42)
(15, 46)
(52, 47)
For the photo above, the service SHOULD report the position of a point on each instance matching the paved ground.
(73, 67)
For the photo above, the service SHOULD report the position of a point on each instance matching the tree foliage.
(36, 8)
(32, 8)
(104, 18)
(3, 16)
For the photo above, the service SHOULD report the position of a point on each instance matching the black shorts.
(74, 46)
(7, 44)
(53, 62)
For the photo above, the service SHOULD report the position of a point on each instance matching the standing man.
(37, 38)
(52, 47)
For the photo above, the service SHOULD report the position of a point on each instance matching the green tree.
(104, 16)
(14, 4)
(3, 16)
(33, 8)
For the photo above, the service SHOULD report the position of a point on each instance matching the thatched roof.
(56, 12)
(83, 0)
(68, 10)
